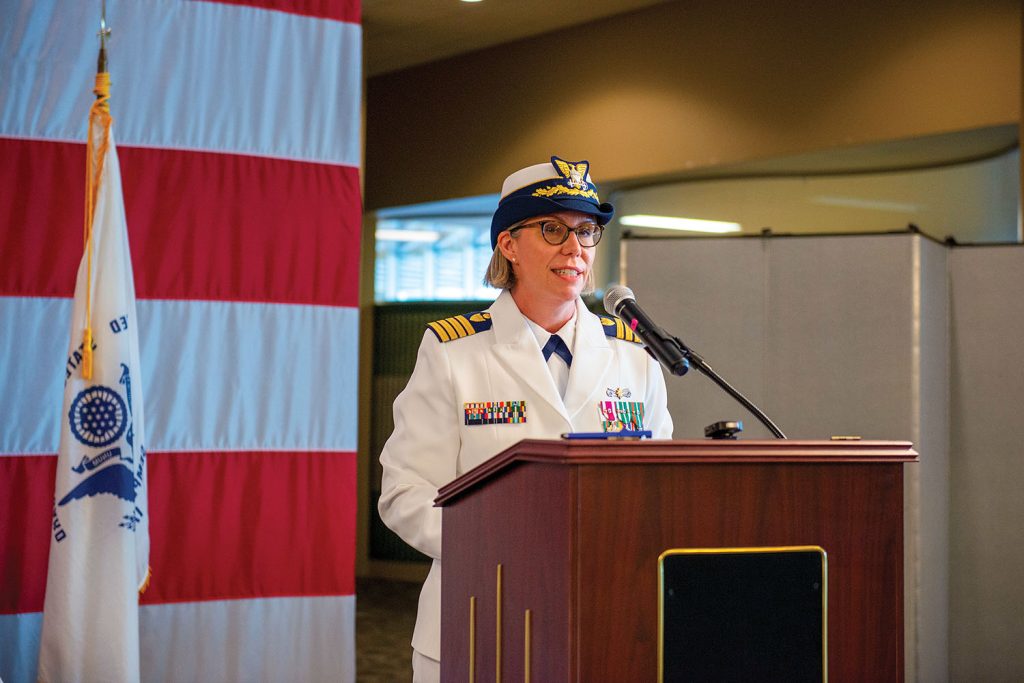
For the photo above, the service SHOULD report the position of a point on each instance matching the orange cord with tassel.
(99, 114)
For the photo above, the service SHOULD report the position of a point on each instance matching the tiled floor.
(385, 614)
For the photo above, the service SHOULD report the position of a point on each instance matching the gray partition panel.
(709, 293)
(928, 483)
(839, 335)
(987, 465)
(817, 331)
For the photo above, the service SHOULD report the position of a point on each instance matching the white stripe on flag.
(269, 639)
(33, 344)
(219, 375)
(19, 646)
(263, 639)
(183, 77)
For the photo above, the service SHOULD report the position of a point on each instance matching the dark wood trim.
(629, 452)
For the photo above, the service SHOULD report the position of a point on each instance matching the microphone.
(619, 300)
(671, 351)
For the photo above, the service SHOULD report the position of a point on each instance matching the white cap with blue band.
(558, 185)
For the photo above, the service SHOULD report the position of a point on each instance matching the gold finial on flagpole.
(102, 89)
(104, 33)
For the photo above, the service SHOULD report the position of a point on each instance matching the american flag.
(238, 137)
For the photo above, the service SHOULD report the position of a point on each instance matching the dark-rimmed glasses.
(556, 232)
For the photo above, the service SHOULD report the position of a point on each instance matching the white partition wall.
(834, 335)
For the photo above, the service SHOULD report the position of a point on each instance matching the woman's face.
(549, 273)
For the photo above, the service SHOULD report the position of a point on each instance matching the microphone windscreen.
(615, 295)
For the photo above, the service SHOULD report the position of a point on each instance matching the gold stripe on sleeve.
(440, 332)
(450, 329)
(461, 319)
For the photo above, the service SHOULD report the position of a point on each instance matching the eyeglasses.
(556, 232)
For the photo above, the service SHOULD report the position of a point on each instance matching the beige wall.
(699, 84)
(972, 202)
(693, 84)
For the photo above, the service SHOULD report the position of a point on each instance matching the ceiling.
(398, 33)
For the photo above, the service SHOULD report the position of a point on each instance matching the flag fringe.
(145, 581)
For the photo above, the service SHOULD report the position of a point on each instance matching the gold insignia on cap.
(574, 172)
(575, 175)
(562, 190)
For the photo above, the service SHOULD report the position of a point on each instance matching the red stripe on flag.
(26, 513)
(342, 10)
(251, 524)
(222, 525)
(202, 225)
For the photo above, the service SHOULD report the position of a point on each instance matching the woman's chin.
(568, 291)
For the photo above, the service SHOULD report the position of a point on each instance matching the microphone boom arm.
(698, 362)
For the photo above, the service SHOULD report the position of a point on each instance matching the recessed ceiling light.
(675, 223)
(471, 0)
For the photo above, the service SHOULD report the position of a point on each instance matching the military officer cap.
(557, 185)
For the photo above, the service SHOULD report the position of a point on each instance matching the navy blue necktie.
(556, 346)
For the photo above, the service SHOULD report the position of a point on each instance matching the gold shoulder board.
(614, 327)
(460, 326)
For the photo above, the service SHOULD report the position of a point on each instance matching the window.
(435, 252)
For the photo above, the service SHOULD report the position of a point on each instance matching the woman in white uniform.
(536, 364)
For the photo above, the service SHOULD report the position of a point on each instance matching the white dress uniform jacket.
(432, 445)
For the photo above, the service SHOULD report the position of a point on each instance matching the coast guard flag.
(99, 547)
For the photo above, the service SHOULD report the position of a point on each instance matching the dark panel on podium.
(733, 614)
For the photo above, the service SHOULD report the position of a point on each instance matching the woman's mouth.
(567, 272)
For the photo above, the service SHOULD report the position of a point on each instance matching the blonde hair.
(500, 274)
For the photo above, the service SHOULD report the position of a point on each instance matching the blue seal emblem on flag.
(98, 416)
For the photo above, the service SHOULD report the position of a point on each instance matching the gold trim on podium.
(526, 645)
(737, 551)
(472, 639)
(497, 632)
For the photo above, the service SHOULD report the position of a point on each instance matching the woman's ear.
(508, 246)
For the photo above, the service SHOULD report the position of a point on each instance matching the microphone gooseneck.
(670, 351)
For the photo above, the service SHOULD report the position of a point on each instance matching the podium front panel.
(557, 546)
(852, 511)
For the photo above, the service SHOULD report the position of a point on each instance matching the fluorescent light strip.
(407, 235)
(857, 203)
(675, 223)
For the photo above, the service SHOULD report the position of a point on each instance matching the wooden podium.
(550, 569)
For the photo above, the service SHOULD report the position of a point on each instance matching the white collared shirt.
(559, 370)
